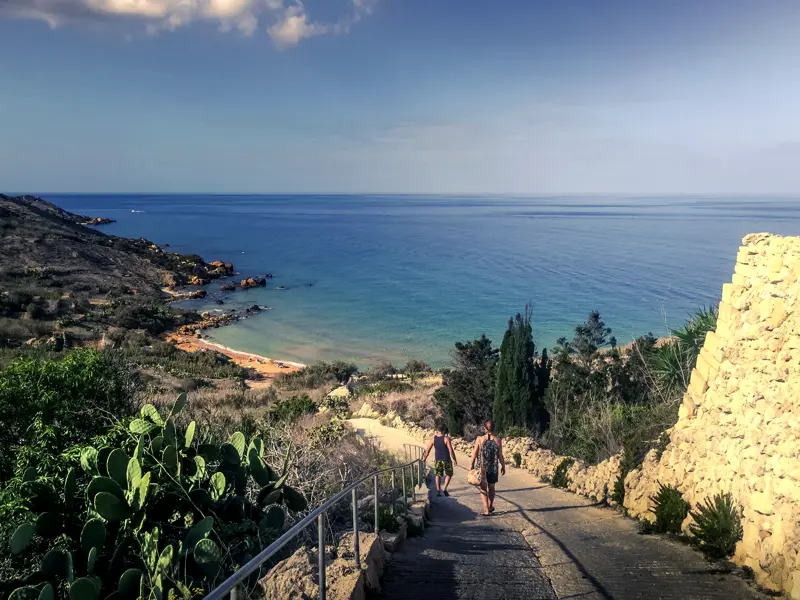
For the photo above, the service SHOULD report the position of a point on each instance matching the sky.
(400, 96)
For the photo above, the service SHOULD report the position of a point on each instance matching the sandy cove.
(268, 368)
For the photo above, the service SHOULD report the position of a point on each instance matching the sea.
(372, 278)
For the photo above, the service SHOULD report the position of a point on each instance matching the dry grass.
(415, 405)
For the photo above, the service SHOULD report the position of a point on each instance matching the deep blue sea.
(372, 278)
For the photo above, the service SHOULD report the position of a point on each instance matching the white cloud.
(290, 20)
(295, 24)
(294, 27)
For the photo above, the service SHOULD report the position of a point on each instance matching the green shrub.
(291, 409)
(49, 405)
(618, 493)
(316, 375)
(156, 515)
(670, 509)
(415, 369)
(515, 431)
(517, 458)
(717, 526)
(167, 358)
(386, 386)
(338, 405)
(380, 371)
(560, 479)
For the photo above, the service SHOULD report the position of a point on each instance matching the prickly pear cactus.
(159, 517)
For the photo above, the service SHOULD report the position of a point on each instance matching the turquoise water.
(372, 278)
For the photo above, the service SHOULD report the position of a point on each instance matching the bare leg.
(446, 482)
(484, 501)
(491, 496)
(439, 484)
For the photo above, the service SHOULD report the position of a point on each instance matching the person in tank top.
(444, 457)
(488, 453)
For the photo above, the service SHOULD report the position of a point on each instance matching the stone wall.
(739, 425)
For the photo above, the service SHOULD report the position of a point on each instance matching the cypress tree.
(519, 393)
(503, 407)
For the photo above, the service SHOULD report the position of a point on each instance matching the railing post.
(321, 536)
(394, 493)
(413, 485)
(235, 592)
(405, 495)
(356, 547)
(377, 505)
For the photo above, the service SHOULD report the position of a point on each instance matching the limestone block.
(697, 384)
(746, 270)
(761, 502)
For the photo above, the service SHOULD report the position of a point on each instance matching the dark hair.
(488, 426)
(440, 426)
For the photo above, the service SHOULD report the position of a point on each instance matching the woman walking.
(445, 458)
(489, 451)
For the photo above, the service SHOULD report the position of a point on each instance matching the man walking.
(445, 458)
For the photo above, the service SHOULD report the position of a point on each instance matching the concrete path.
(542, 543)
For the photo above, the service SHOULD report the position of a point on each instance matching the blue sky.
(429, 96)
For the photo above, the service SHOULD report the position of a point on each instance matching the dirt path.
(542, 543)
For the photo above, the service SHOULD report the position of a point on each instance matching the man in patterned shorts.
(445, 458)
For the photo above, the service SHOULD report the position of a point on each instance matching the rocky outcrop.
(227, 287)
(253, 282)
(98, 221)
(208, 321)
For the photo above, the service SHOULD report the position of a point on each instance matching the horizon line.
(434, 194)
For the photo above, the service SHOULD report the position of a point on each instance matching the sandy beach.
(268, 368)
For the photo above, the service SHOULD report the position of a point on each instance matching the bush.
(515, 431)
(467, 391)
(670, 509)
(153, 317)
(167, 358)
(618, 493)
(291, 409)
(717, 526)
(560, 479)
(517, 458)
(381, 371)
(316, 375)
(416, 368)
(48, 405)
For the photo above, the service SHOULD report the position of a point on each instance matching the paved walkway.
(543, 543)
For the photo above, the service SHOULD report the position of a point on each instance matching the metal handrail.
(232, 584)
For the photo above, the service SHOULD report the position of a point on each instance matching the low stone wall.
(296, 578)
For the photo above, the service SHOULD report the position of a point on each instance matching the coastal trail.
(542, 543)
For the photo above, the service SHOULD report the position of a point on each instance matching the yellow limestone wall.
(739, 425)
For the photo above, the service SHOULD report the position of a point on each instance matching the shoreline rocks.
(253, 282)
(98, 221)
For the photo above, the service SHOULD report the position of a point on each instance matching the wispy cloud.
(295, 25)
(286, 22)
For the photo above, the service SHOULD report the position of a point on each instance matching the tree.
(590, 336)
(467, 389)
(414, 368)
(520, 384)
